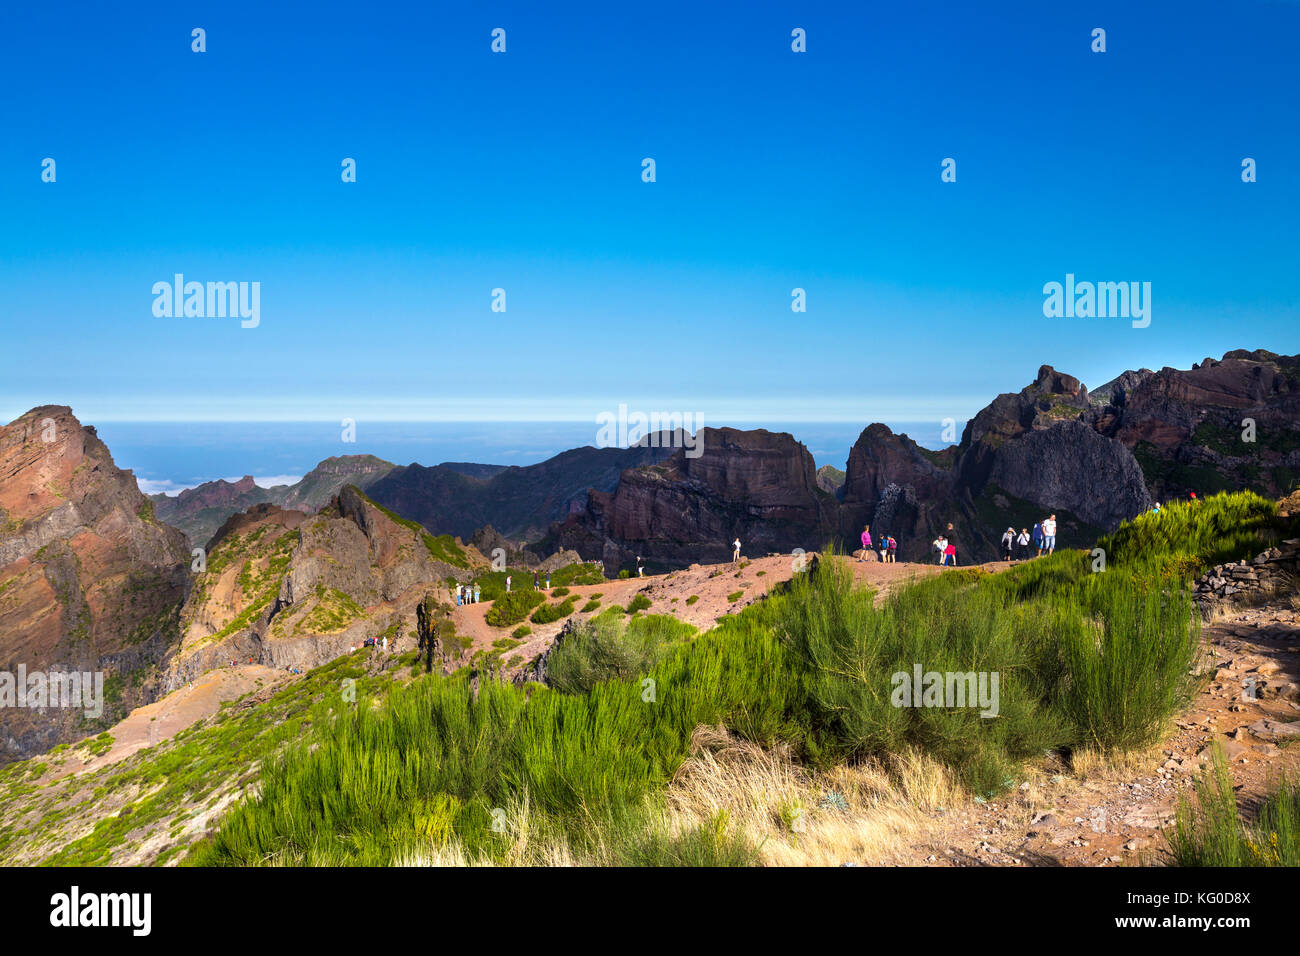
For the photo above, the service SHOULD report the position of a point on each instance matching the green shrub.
(1209, 831)
(522, 631)
(577, 574)
(692, 599)
(735, 596)
(512, 607)
(590, 606)
(606, 649)
(549, 613)
(638, 603)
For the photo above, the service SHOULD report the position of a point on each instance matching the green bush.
(590, 606)
(607, 649)
(549, 613)
(638, 603)
(577, 574)
(512, 607)
(1209, 830)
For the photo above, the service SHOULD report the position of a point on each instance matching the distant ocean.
(171, 456)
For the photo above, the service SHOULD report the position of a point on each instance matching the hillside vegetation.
(443, 769)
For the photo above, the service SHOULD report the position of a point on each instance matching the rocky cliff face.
(90, 580)
(200, 511)
(757, 485)
(284, 588)
(1024, 456)
(520, 502)
(1224, 424)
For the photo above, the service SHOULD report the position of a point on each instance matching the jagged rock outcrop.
(757, 485)
(1024, 456)
(284, 588)
(90, 580)
(1188, 428)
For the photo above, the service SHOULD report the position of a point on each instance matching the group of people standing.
(467, 594)
(1043, 538)
(886, 547)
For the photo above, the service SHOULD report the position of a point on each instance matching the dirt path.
(148, 725)
(698, 595)
(1113, 816)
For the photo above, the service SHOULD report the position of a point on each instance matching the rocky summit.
(90, 580)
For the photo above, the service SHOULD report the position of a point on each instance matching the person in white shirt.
(1023, 541)
(1008, 539)
(735, 551)
(939, 544)
(1049, 534)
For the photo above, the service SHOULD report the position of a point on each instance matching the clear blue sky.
(522, 171)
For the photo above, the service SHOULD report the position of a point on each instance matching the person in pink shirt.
(866, 543)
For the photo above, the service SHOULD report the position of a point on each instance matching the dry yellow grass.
(792, 813)
(789, 812)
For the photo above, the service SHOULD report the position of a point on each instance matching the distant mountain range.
(201, 510)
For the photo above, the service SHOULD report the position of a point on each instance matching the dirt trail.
(148, 725)
(1114, 816)
(711, 585)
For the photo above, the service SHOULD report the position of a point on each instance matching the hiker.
(548, 580)
(937, 544)
(537, 583)
(735, 551)
(640, 571)
(866, 544)
(1155, 510)
(1023, 541)
(950, 553)
(1038, 538)
(459, 588)
(478, 592)
(893, 550)
(882, 547)
(1049, 534)
(1008, 539)
(507, 584)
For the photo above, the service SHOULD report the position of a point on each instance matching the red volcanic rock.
(1188, 425)
(89, 578)
(757, 485)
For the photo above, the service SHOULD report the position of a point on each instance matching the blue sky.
(522, 171)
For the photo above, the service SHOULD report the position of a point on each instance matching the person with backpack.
(893, 550)
(1008, 539)
(866, 544)
(883, 547)
(1038, 538)
(938, 544)
(735, 551)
